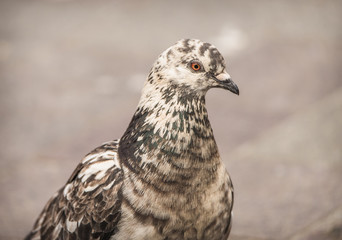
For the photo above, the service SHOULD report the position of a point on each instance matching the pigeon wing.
(88, 206)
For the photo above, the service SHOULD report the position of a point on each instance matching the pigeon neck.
(171, 131)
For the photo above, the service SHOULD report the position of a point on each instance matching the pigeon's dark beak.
(225, 82)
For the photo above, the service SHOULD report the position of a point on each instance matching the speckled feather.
(164, 178)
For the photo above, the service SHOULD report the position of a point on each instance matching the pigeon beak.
(225, 82)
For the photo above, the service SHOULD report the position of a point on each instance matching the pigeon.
(164, 178)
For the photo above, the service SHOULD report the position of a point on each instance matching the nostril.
(223, 76)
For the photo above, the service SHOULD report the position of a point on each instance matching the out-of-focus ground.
(71, 74)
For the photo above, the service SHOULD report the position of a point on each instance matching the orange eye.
(195, 66)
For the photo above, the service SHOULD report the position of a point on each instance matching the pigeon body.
(163, 179)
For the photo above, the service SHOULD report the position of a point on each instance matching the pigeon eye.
(195, 66)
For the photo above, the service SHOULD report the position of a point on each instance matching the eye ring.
(196, 66)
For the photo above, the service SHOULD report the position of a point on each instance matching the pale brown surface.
(70, 79)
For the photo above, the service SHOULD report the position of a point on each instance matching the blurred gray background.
(70, 79)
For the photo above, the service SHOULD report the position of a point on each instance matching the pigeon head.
(192, 67)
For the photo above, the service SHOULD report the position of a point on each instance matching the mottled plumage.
(164, 178)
